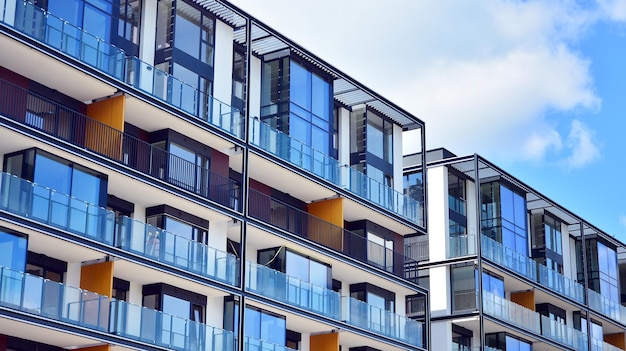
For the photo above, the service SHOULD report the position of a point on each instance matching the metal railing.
(253, 344)
(49, 117)
(303, 224)
(75, 42)
(326, 167)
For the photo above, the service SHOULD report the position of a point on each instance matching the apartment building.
(178, 175)
(509, 269)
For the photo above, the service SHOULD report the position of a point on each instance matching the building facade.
(178, 175)
(509, 269)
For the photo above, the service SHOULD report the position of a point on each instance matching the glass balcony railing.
(561, 284)
(281, 287)
(61, 211)
(528, 267)
(303, 224)
(73, 41)
(378, 320)
(165, 330)
(598, 345)
(24, 107)
(456, 204)
(49, 299)
(510, 312)
(252, 344)
(183, 96)
(303, 156)
(462, 245)
(508, 258)
(59, 34)
(158, 244)
(603, 305)
(44, 205)
(563, 334)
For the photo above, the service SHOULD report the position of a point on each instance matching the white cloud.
(582, 144)
(484, 75)
(613, 9)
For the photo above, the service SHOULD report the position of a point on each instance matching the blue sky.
(537, 87)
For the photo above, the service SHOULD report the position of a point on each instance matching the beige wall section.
(524, 298)
(617, 340)
(330, 211)
(95, 348)
(325, 342)
(98, 136)
(97, 278)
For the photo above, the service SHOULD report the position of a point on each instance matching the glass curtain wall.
(503, 216)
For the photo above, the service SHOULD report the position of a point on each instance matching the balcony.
(60, 35)
(163, 246)
(52, 300)
(328, 168)
(252, 344)
(503, 256)
(44, 205)
(380, 321)
(302, 224)
(610, 309)
(53, 119)
(457, 205)
(532, 321)
(293, 291)
(161, 329)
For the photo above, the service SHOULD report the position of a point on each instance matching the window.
(380, 251)
(373, 295)
(493, 284)
(602, 272)
(371, 144)
(298, 102)
(260, 324)
(13, 247)
(503, 216)
(120, 289)
(506, 342)
(177, 302)
(296, 265)
(46, 267)
(185, 40)
(463, 285)
(239, 78)
(185, 241)
(461, 338)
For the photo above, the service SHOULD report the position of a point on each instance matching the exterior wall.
(223, 69)
(439, 292)
(344, 142)
(438, 213)
(147, 37)
(569, 261)
(97, 278)
(442, 331)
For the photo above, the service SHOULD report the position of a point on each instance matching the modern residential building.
(509, 269)
(178, 175)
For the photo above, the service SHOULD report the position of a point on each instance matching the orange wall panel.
(325, 342)
(330, 211)
(104, 135)
(97, 278)
(524, 298)
(617, 340)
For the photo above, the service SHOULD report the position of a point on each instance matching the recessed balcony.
(76, 43)
(45, 205)
(328, 168)
(82, 131)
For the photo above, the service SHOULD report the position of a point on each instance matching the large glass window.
(506, 342)
(503, 216)
(260, 324)
(371, 143)
(493, 284)
(602, 273)
(296, 265)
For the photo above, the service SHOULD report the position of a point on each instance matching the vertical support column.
(147, 40)
(480, 253)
